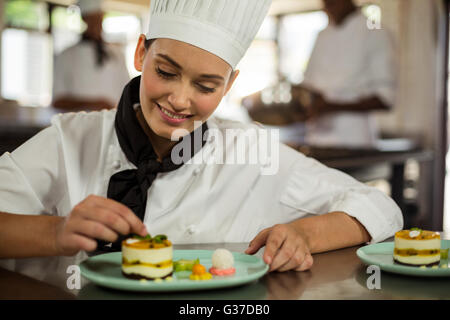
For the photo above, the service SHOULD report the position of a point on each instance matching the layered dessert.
(147, 257)
(417, 247)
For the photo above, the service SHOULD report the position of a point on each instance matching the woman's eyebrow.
(170, 60)
(212, 76)
(177, 65)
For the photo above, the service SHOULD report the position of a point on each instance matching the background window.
(118, 28)
(26, 14)
(125, 30)
(67, 27)
(26, 53)
(258, 69)
(298, 34)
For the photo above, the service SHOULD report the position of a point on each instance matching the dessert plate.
(380, 254)
(106, 270)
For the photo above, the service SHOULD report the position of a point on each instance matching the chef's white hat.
(225, 28)
(90, 6)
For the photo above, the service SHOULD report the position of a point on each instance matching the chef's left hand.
(286, 248)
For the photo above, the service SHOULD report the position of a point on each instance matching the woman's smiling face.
(180, 84)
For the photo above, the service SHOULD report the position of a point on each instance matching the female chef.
(102, 175)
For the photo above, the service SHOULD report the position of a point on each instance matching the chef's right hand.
(95, 218)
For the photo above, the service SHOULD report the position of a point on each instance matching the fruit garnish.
(184, 265)
(147, 237)
(205, 276)
(199, 273)
(160, 238)
(416, 229)
(414, 233)
(198, 269)
(157, 239)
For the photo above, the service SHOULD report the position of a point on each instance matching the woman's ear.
(139, 54)
(233, 77)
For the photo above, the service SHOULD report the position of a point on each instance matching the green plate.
(106, 270)
(380, 254)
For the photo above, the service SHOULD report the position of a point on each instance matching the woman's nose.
(180, 98)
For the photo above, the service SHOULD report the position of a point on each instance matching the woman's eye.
(165, 74)
(206, 89)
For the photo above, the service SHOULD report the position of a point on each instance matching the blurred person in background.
(91, 74)
(351, 72)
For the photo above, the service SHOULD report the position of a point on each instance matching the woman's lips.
(172, 118)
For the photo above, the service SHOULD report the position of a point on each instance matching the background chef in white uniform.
(53, 189)
(91, 74)
(351, 73)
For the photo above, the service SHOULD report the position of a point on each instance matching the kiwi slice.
(184, 265)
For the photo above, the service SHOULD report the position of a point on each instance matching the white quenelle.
(222, 259)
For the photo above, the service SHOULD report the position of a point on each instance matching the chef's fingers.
(136, 225)
(275, 240)
(109, 218)
(294, 262)
(258, 241)
(306, 264)
(93, 230)
(76, 242)
(283, 254)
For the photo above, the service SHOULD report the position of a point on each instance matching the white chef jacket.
(197, 203)
(76, 73)
(350, 62)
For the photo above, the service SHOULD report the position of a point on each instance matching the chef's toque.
(225, 28)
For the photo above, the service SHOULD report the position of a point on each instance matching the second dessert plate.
(106, 270)
(381, 254)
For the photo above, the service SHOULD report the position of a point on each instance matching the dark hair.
(148, 43)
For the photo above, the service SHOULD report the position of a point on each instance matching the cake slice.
(417, 247)
(147, 258)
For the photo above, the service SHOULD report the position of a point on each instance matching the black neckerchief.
(130, 186)
(102, 53)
